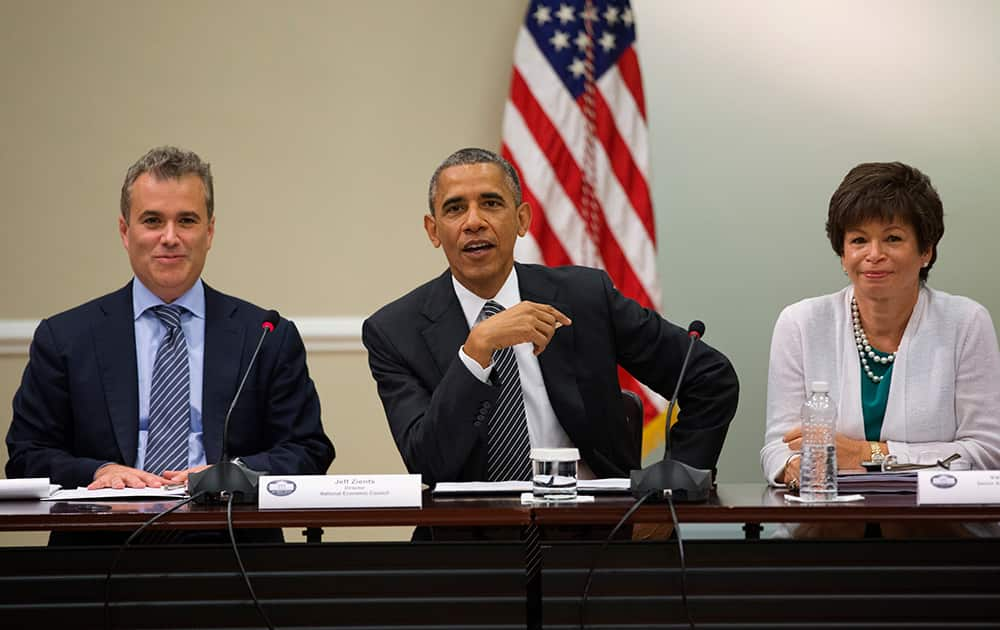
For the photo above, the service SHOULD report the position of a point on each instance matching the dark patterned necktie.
(169, 398)
(508, 447)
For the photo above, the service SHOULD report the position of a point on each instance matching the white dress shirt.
(149, 332)
(544, 430)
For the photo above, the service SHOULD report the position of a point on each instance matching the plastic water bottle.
(818, 478)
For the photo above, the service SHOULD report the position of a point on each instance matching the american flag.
(574, 126)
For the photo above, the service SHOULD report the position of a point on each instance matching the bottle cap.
(820, 387)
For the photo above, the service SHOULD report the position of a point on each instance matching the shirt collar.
(143, 299)
(472, 305)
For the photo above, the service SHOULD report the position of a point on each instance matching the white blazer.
(944, 396)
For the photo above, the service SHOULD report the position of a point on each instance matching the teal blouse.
(874, 396)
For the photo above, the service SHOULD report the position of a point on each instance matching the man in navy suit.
(82, 415)
(432, 352)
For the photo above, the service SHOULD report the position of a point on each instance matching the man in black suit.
(88, 408)
(434, 351)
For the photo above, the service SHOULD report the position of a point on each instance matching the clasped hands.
(527, 322)
(118, 476)
(850, 453)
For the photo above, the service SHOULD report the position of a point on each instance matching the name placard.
(338, 491)
(937, 486)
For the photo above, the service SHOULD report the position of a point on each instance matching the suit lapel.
(114, 338)
(559, 356)
(222, 364)
(448, 328)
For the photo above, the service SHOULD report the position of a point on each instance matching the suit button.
(477, 423)
(487, 405)
(480, 417)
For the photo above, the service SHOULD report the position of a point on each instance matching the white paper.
(482, 487)
(33, 488)
(338, 491)
(123, 494)
(528, 498)
(611, 484)
(618, 484)
(840, 498)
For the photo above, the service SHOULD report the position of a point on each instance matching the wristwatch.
(877, 455)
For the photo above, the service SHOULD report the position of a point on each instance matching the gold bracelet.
(877, 455)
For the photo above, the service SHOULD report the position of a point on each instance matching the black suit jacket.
(78, 404)
(437, 409)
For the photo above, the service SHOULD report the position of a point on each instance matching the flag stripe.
(570, 177)
(628, 66)
(535, 84)
(555, 254)
(537, 175)
(584, 161)
(620, 152)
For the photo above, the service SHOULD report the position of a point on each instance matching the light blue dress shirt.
(149, 332)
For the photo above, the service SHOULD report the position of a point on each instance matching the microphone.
(231, 478)
(669, 476)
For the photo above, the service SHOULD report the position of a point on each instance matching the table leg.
(313, 534)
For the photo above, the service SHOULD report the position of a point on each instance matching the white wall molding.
(15, 336)
(320, 334)
(330, 334)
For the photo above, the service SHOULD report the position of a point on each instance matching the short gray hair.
(168, 163)
(472, 155)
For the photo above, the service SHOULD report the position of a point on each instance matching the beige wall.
(324, 119)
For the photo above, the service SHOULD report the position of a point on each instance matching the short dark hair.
(470, 156)
(168, 163)
(886, 191)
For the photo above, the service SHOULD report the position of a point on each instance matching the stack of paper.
(121, 494)
(34, 488)
(40, 488)
(872, 482)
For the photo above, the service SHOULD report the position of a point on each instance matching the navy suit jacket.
(437, 409)
(78, 404)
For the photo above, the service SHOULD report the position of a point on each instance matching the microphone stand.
(229, 478)
(669, 477)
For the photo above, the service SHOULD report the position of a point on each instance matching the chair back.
(633, 420)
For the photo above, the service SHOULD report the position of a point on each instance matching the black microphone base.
(685, 484)
(220, 481)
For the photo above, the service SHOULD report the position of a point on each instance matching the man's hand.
(118, 476)
(181, 476)
(527, 322)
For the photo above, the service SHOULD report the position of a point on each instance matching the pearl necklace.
(864, 348)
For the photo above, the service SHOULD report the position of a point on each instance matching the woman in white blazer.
(914, 372)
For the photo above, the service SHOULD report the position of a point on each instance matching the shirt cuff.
(901, 451)
(480, 372)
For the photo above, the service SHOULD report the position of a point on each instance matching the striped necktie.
(508, 447)
(169, 398)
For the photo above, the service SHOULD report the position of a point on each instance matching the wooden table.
(483, 583)
(731, 503)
